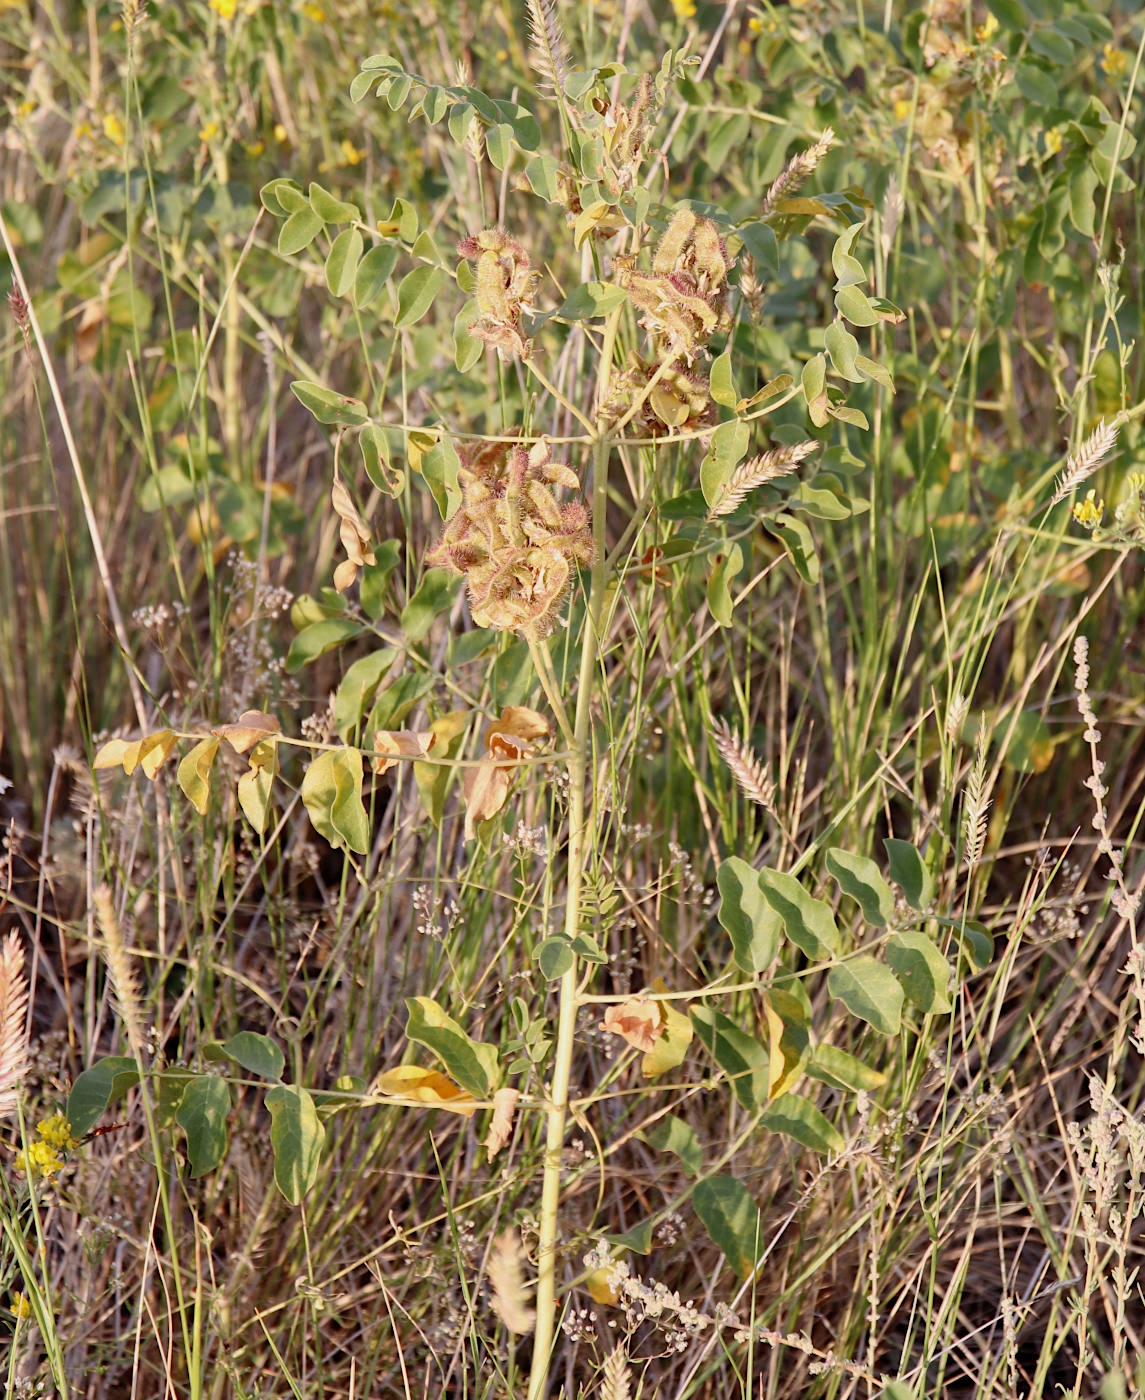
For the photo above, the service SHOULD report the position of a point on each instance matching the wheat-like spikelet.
(796, 171)
(768, 466)
(1086, 460)
(551, 57)
(746, 766)
(119, 967)
(614, 1378)
(13, 1021)
(893, 206)
(506, 1279)
(976, 802)
(956, 717)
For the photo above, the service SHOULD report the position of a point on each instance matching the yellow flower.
(84, 131)
(351, 155)
(39, 1159)
(902, 109)
(1114, 61)
(209, 132)
(225, 9)
(57, 1131)
(280, 133)
(755, 24)
(254, 148)
(685, 9)
(113, 129)
(1088, 512)
(26, 109)
(314, 12)
(21, 1307)
(1053, 140)
(987, 31)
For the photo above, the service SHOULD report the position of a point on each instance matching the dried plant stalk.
(1086, 460)
(13, 1022)
(768, 466)
(746, 766)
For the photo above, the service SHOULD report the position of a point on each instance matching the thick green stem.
(581, 819)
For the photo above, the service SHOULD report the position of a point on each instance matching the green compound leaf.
(541, 173)
(672, 1134)
(499, 145)
(373, 273)
(554, 957)
(721, 605)
(359, 689)
(863, 881)
(721, 384)
(329, 407)
(470, 1063)
(435, 595)
(299, 231)
(848, 269)
(809, 922)
(742, 1059)
(843, 349)
(202, 1114)
(923, 971)
(416, 292)
(796, 540)
(753, 925)
(256, 1053)
(332, 794)
(439, 469)
(296, 1137)
(732, 1218)
(798, 1118)
(728, 447)
(869, 990)
(592, 299)
(909, 870)
(95, 1088)
(836, 1067)
(194, 774)
(977, 942)
(330, 209)
(855, 305)
(342, 261)
(317, 638)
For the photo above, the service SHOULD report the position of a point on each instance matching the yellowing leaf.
(426, 1086)
(599, 1288)
(252, 728)
(256, 783)
(501, 1126)
(111, 754)
(355, 536)
(508, 740)
(639, 1021)
(194, 774)
(149, 753)
(391, 745)
(675, 1037)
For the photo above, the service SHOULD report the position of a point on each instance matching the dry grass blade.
(506, 1279)
(1086, 460)
(795, 172)
(746, 766)
(551, 57)
(768, 466)
(13, 1021)
(614, 1379)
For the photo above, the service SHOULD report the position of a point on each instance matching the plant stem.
(581, 822)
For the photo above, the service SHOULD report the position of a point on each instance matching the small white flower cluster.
(651, 1302)
(5, 784)
(528, 841)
